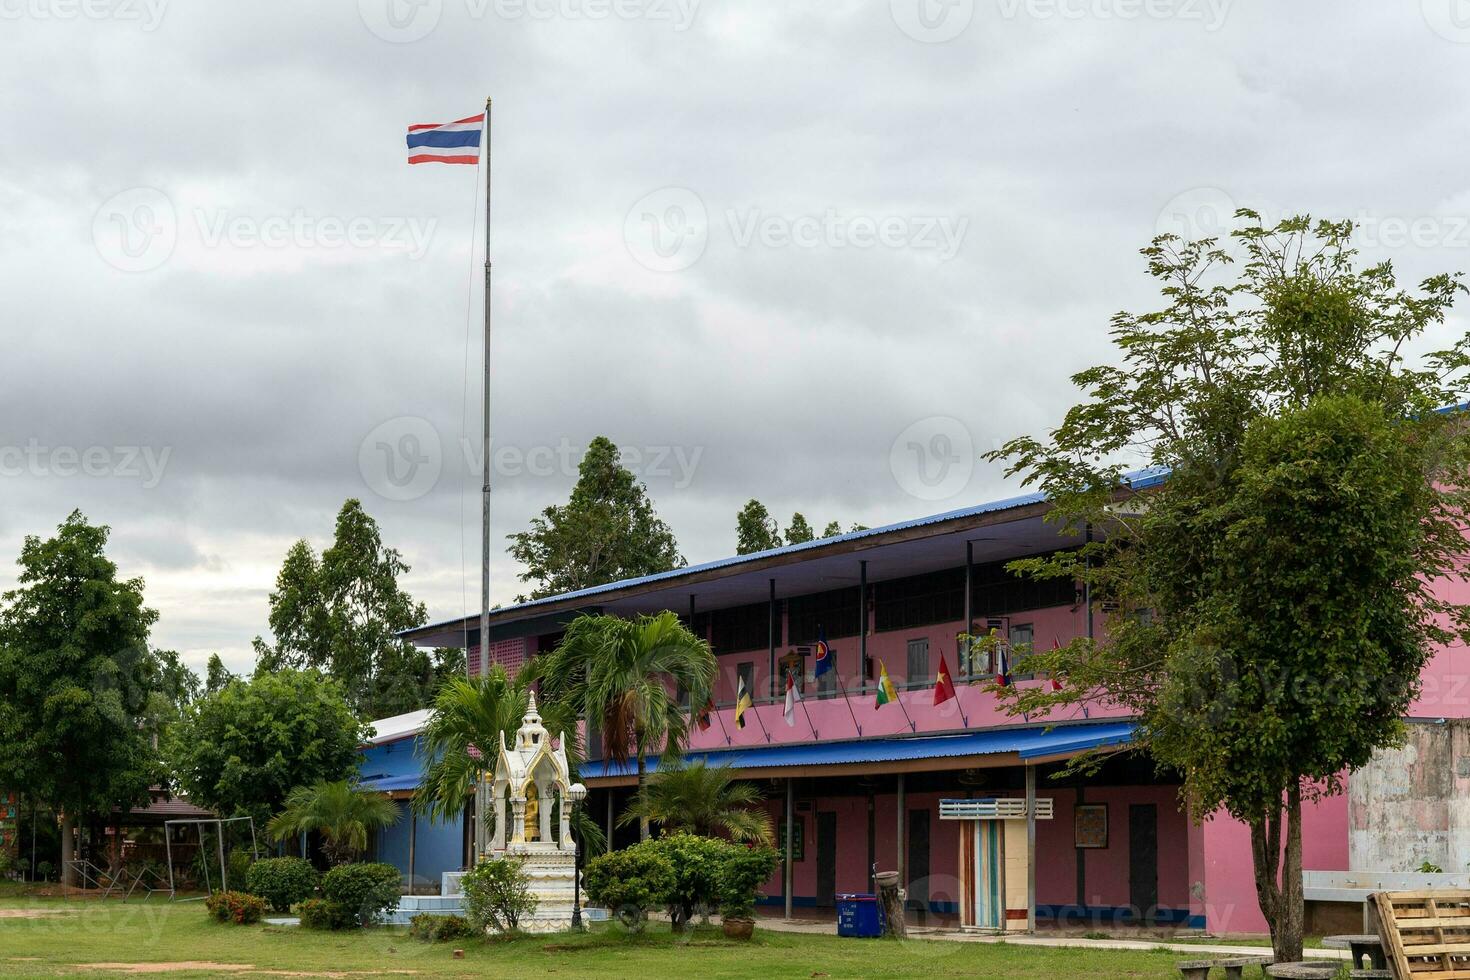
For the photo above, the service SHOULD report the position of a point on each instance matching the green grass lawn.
(67, 938)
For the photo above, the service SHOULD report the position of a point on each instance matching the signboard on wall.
(9, 823)
(1090, 825)
(798, 839)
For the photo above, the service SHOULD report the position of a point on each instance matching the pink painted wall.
(1446, 690)
(1229, 879)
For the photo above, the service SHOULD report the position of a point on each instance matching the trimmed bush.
(282, 882)
(744, 871)
(241, 908)
(442, 928)
(318, 913)
(498, 894)
(698, 864)
(366, 892)
(630, 882)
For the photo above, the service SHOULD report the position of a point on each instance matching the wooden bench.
(1234, 967)
(1305, 970)
(1425, 934)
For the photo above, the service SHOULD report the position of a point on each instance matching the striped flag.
(456, 142)
(886, 692)
(793, 698)
(742, 703)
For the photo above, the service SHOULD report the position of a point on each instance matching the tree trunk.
(68, 853)
(1278, 882)
(642, 787)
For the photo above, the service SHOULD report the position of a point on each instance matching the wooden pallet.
(1426, 934)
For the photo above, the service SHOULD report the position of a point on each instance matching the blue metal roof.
(387, 784)
(1029, 743)
(1138, 480)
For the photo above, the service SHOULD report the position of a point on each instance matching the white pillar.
(499, 838)
(544, 792)
(565, 806)
(1031, 849)
(518, 820)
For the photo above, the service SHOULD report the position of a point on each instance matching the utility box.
(859, 915)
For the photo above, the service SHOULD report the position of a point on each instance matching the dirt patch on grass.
(181, 966)
(31, 913)
(178, 966)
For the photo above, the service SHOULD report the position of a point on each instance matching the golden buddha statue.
(532, 828)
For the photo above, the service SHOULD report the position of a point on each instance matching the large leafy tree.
(242, 749)
(344, 814)
(341, 612)
(701, 799)
(79, 688)
(1273, 601)
(606, 531)
(755, 529)
(623, 675)
(459, 742)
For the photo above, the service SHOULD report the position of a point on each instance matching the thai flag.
(456, 142)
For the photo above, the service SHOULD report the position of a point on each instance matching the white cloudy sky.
(770, 245)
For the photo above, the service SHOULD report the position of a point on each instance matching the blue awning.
(1036, 742)
(389, 784)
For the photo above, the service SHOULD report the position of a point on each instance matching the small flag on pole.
(886, 692)
(742, 704)
(943, 683)
(456, 142)
(1003, 665)
(1056, 685)
(823, 660)
(793, 697)
(702, 719)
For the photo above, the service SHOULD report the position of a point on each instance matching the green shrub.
(442, 928)
(366, 892)
(318, 913)
(239, 862)
(282, 882)
(744, 871)
(630, 882)
(698, 864)
(241, 908)
(498, 894)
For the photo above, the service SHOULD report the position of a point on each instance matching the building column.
(564, 806)
(544, 796)
(413, 834)
(771, 634)
(1031, 848)
(966, 667)
(863, 670)
(903, 855)
(609, 818)
(789, 875)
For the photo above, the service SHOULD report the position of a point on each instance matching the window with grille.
(742, 628)
(839, 612)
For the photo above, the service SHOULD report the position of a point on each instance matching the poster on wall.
(798, 842)
(1090, 825)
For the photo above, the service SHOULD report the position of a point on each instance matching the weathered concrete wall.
(1412, 805)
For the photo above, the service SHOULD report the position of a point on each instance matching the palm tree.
(620, 674)
(340, 811)
(459, 741)
(703, 800)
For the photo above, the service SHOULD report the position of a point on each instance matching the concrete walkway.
(1196, 950)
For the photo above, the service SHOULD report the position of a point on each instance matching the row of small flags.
(886, 693)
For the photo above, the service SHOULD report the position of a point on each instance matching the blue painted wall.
(438, 847)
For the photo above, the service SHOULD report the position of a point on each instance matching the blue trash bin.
(859, 915)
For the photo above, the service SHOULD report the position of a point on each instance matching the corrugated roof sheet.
(1028, 743)
(1139, 480)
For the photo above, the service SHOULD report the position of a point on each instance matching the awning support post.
(1031, 849)
(789, 875)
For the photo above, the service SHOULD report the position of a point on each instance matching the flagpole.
(485, 435)
(843, 691)
(484, 492)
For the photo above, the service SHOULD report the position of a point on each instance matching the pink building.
(937, 793)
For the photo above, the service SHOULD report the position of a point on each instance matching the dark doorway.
(1143, 860)
(918, 861)
(826, 860)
